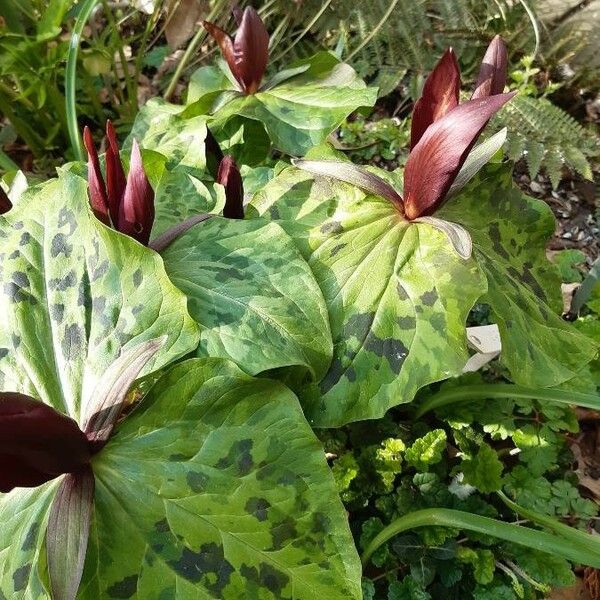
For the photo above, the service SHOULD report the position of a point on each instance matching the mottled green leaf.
(175, 162)
(24, 515)
(74, 294)
(254, 295)
(397, 293)
(217, 488)
(297, 114)
(510, 232)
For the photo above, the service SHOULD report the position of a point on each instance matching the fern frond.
(547, 137)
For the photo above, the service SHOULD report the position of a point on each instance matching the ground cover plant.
(232, 359)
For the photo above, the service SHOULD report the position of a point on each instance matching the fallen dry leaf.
(183, 20)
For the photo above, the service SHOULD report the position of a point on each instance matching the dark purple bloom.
(5, 203)
(37, 443)
(230, 178)
(248, 53)
(125, 203)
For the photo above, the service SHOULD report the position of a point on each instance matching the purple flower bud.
(97, 189)
(5, 203)
(37, 443)
(248, 54)
(136, 213)
(230, 178)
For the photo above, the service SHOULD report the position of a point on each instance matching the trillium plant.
(176, 326)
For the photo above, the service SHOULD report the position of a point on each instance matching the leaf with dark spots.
(60, 246)
(510, 232)
(209, 529)
(266, 576)
(137, 278)
(258, 507)
(393, 350)
(248, 292)
(126, 588)
(20, 577)
(31, 539)
(57, 359)
(429, 298)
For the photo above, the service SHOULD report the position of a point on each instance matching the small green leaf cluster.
(458, 460)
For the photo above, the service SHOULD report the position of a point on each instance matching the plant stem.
(191, 48)
(71, 78)
(578, 552)
(506, 390)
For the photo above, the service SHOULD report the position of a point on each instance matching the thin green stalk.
(575, 551)
(7, 163)
(375, 31)
(71, 78)
(304, 31)
(534, 24)
(191, 48)
(150, 24)
(506, 390)
(131, 92)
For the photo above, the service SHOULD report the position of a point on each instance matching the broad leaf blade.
(109, 396)
(254, 295)
(68, 533)
(24, 515)
(74, 294)
(510, 232)
(390, 287)
(216, 487)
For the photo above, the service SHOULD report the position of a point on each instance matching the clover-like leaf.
(297, 114)
(509, 232)
(397, 294)
(74, 295)
(254, 295)
(216, 487)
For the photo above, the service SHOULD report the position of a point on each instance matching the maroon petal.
(251, 51)
(436, 160)
(37, 443)
(492, 73)
(97, 189)
(214, 154)
(136, 214)
(440, 95)
(229, 177)
(226, 45)
(237, 14)
(5, 203)
(115, 176)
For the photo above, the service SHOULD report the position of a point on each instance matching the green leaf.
(482, 561)
(509, 232)
(390, 288)
(483, 470)
(253, 294)
(297, 114)
(216, 487)
(24, 515)
(427, 450)
(568, 261)
(74, 295)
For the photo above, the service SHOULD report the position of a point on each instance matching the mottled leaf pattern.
(390, 288)
(175, 162)
(217, 488)
(23, 518)
(74, 293)
(298, 114)
(254, 295)
(510, 232)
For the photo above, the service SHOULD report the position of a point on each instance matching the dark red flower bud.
(214, 154)
(230, 178)
(115, 176)
(136, 213)
(5, 203)
(440, 95)
(37, 443)
(97, 189)
(492, 73)
(247, 55)
(435, 161)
